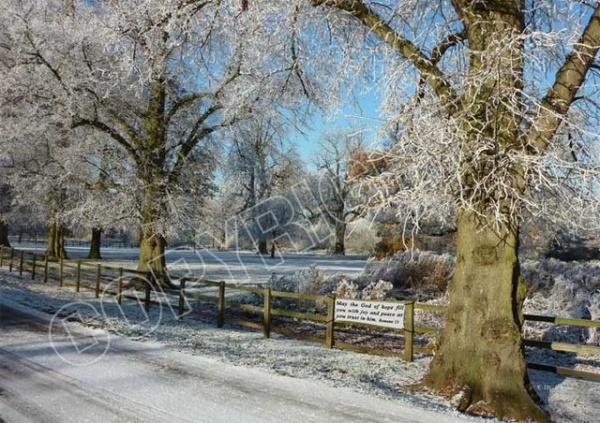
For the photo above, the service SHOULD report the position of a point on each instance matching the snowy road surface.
(145, 382)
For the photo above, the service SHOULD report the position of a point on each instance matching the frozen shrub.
(312, 280)
(373, 291)
(284, 283)
(376, 291)
(347, 290)
(412, 269)
(540, 275)
(307, 281)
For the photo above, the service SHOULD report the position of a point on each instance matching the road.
(60, 375)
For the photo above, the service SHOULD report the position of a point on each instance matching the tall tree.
(262, 168)
(220, 214)
(160, 79)
(39, 184)
(482, 120)
(337, 193)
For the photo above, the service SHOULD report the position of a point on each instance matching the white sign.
(386, 314)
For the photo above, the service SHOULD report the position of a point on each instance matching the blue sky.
(361, 112)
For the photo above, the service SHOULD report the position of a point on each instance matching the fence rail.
(112, 280)
(563, 321)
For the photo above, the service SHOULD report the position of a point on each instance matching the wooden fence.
(110, 280)
(80, 274)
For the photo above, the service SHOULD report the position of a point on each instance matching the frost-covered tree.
(103, 190)
(336, 190)
(160, 78)
(32, 145)
(484, 95)
(262, 167)
(219, 216)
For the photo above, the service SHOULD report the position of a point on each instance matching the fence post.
(267, 313)
(61, 272)
(120, 286)
(181, 296)
(98, 276)
(78, 279)
(33, 267)
(221, 305)
(1, 255)
(21, 258)
(329, 334)
(45, 268)
(12, 258)
(409, 329)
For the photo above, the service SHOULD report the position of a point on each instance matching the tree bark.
(95, 244)
(56, 242)
(4, 234)
(152, 262)
(153, 244)
(223, 242)
(151, 162)
(339, 247)
(262, 246)
(152, 259)
(480, 348)
(480, 351)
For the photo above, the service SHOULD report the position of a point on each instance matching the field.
(241, 267)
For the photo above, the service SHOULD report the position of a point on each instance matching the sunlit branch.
(427, 68)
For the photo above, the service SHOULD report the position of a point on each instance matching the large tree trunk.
(339, 247)
(4, 234)
(480, 348)
(56, 242)
(151, 170)
(152, 258)
(152, 262)
(95, 244)
(480, 351)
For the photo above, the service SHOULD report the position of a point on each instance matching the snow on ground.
(150, 383)
(569, 400)
(230, 266)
